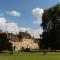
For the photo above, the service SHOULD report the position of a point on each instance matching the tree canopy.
(51, 27)
(4, 42)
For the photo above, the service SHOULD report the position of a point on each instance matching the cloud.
(36, 32)
(10, 27)
(13, 28)
(2, 23)
(23, 29)
(2, 20)
(14, 13)
(37, 12)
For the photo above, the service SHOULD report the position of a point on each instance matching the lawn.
(30, 56)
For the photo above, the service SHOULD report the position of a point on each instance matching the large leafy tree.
(4, 42)
(51, 27)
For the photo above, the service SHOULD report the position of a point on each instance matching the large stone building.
(23, 39)
(24, 35)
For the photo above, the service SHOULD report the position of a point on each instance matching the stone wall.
(24, 43)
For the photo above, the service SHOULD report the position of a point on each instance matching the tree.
(51, 24)
(4, 42)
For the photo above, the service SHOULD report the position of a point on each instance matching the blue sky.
(24, 7)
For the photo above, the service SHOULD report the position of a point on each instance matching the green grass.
(30, 56)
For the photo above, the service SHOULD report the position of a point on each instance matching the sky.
(22, 15)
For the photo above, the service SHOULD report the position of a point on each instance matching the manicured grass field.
(30, 56)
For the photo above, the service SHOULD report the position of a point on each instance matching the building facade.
(23, 39)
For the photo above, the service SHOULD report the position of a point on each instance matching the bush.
(25, 50)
